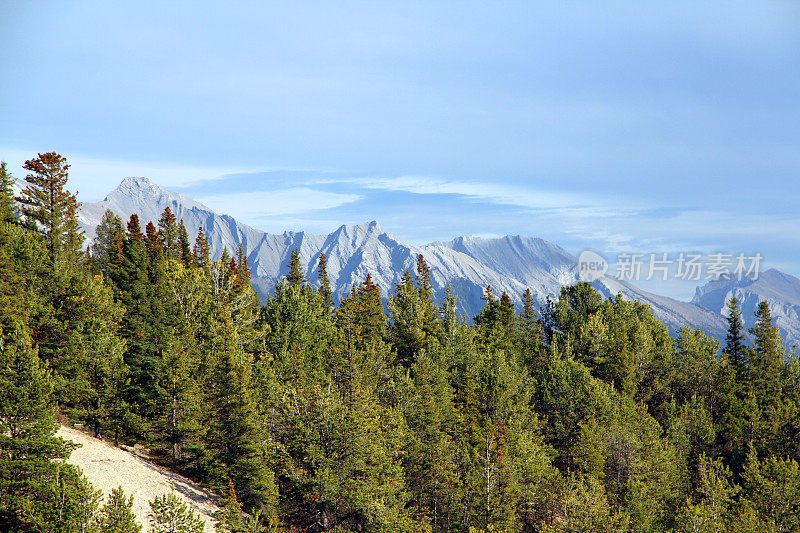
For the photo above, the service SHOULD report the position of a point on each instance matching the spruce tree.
(295, 276)
(7, 202)
(202, 252)
(235, 434)
(768, 354)
(184, 246)
(152, 242)
(168, 228)
(372, 318)
(531, 336)
(506, 313)
(242, 268)
(424, 279)
(425, 290)
(734, 341)
(325, 283)
(407, 320)
(108, 246)
(146, 322)
(431, 457)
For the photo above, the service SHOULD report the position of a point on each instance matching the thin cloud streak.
(258, 205)
(489, 191)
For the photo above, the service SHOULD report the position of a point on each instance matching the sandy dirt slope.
(108, 467)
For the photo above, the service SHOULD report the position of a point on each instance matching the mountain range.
(466, 264)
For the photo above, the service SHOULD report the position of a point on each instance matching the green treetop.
(48, 208)
(295, 275)
(7, 202)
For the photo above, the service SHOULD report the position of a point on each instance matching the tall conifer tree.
(734, 341)
(49, 208)
(168, 228)
(202, 252)
(768, 353)
(7, 201)
(295, 275)
(29, 473)
(184, 245)
(325, 282)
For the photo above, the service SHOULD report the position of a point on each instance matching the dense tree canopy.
(379, 412)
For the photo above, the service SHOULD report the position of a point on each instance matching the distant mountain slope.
(780, 290)
(148, 201)
(674, 313)
(467, 264)
(352, 251)
(545, 268)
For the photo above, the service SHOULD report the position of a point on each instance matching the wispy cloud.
(493, 192)
(257, 205)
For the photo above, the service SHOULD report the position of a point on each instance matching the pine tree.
(168, 228)
(79, 502)
(202, 252)
(425, 290)
(184, 245)
(295, 276)
(7, 202)
(372, 318)
(242, 268)
(29, 473)
(531, 336)
(168, 514)
(117, 516)
(772, 487)
(180, 417)
(407, 320)
(234, 432)
(229, 519)
(152, 242)
(768, 354)
(325, 283)
(48, 208)
(108, 247)
(114, 397)
(734, 341)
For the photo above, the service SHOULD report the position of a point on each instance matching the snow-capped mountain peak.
(467, 264)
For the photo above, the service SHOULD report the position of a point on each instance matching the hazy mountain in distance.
(781, 291)
(353, 251)
(467, 264)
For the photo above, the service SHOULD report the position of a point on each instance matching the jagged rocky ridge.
(467, 264)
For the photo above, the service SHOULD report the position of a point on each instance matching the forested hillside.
(581, 414)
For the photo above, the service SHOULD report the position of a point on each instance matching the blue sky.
(610, 126)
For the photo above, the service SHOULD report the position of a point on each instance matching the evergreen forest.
(308, 415)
